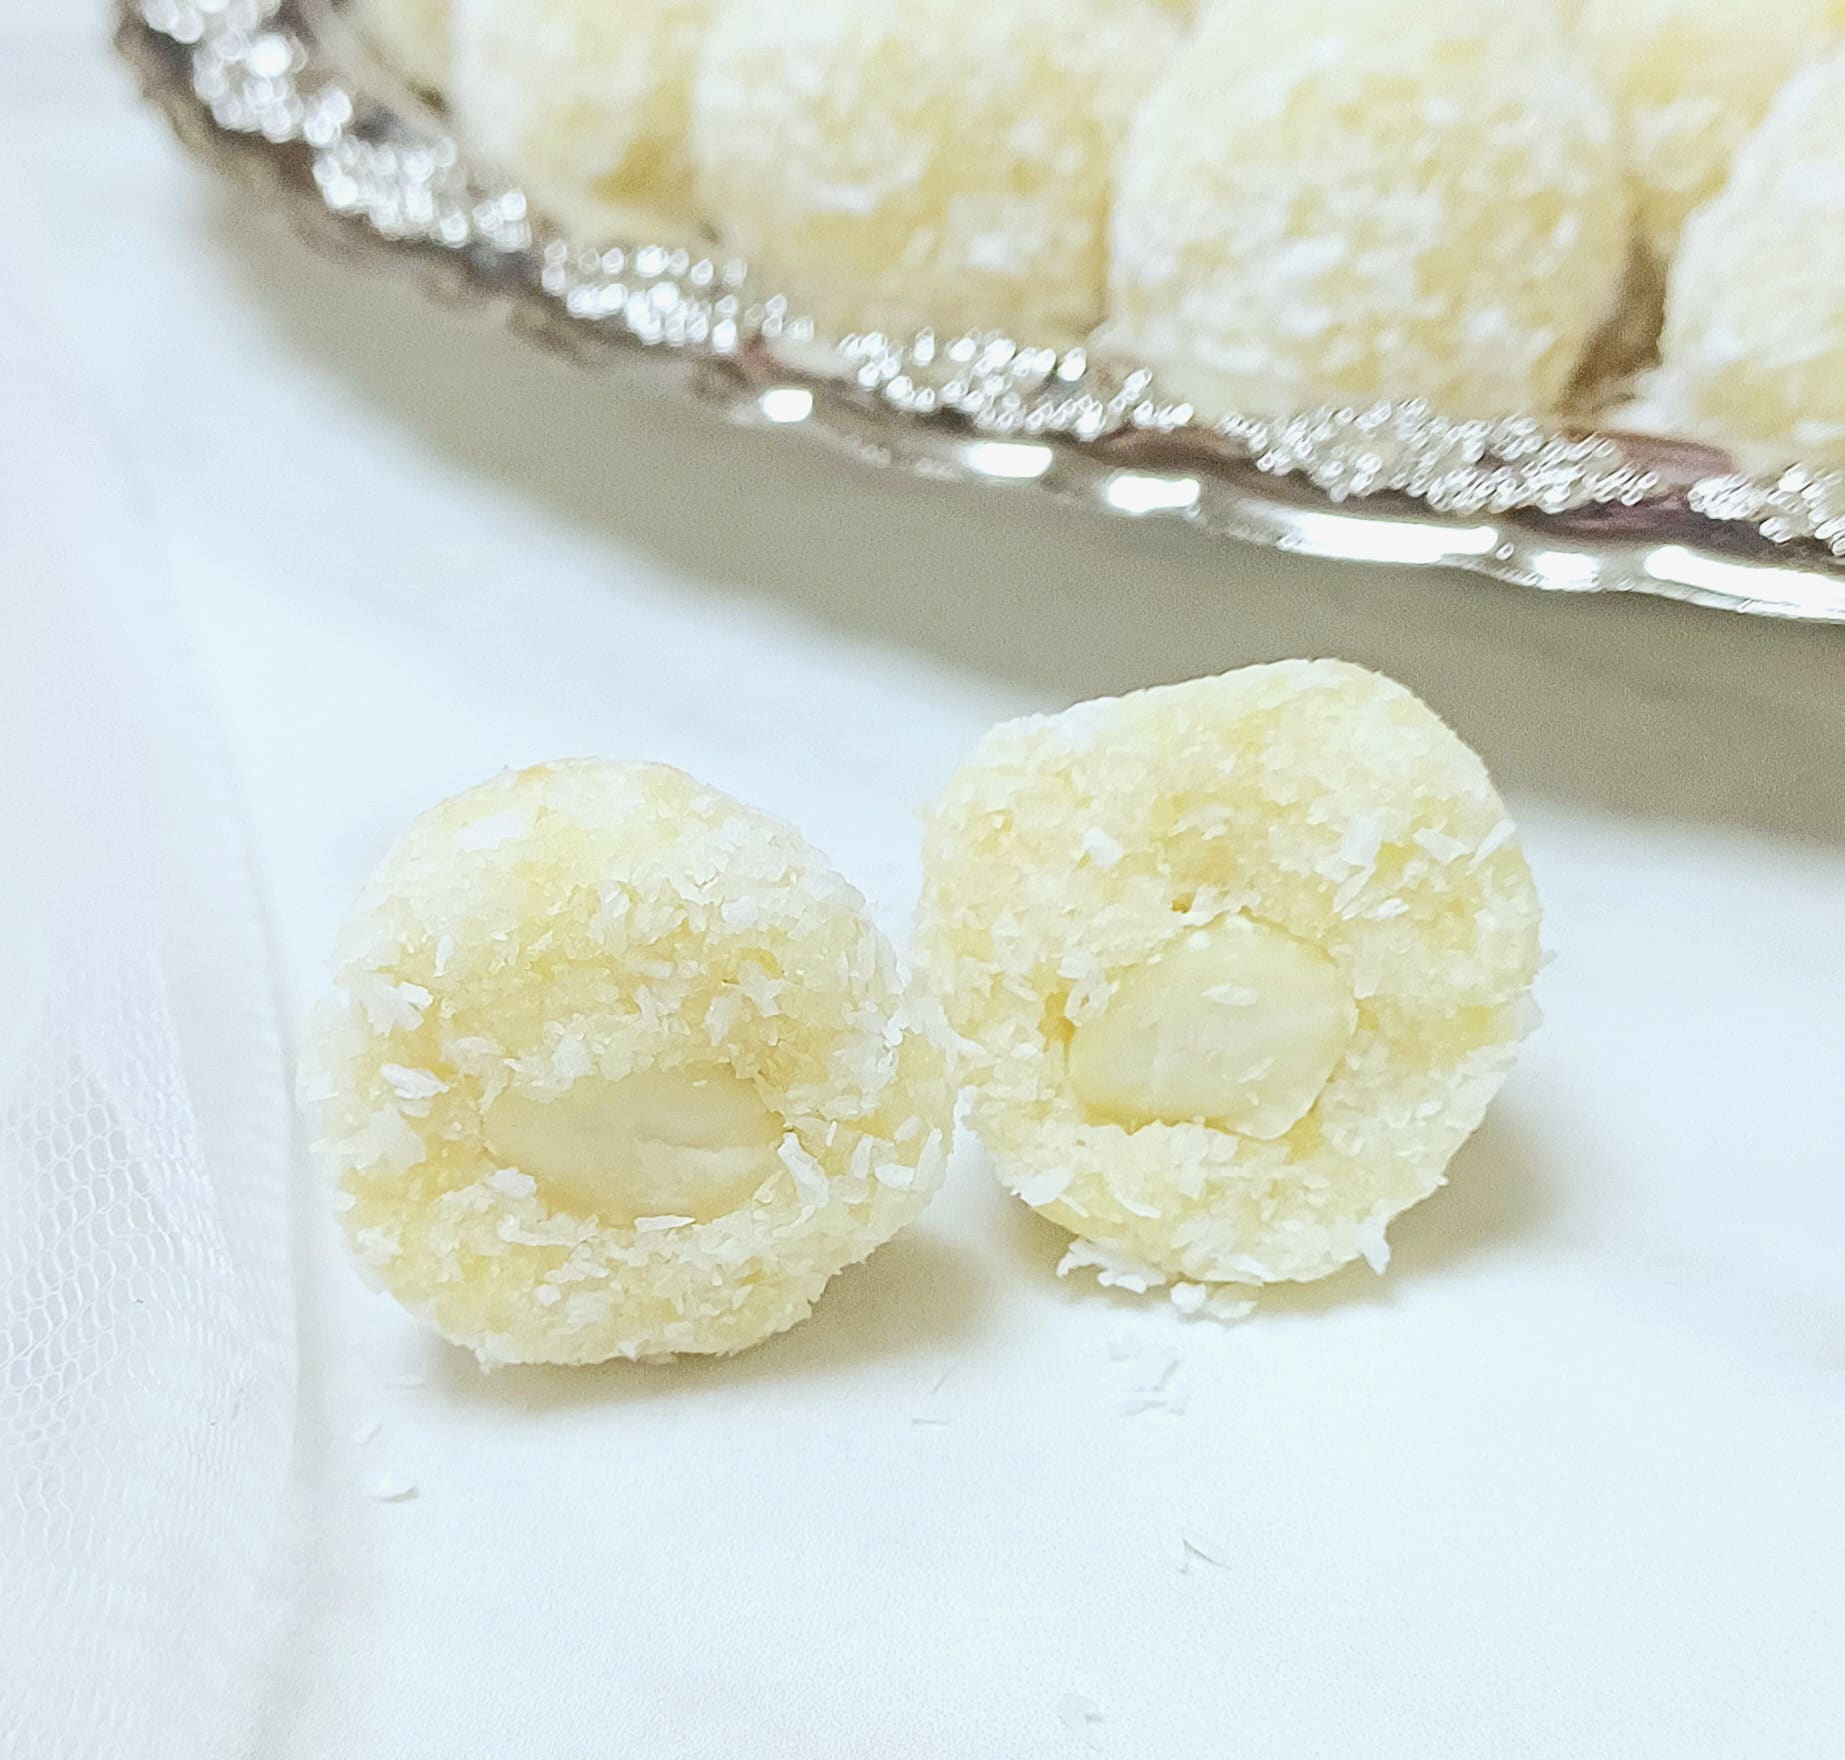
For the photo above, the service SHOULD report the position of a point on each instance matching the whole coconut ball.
(1690, 79)
(1338, 200)
(901, 164)
(1754, 344)
(585, 103)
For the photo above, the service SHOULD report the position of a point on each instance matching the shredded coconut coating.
(1349, 199)
(1691, 79)
(413, 35)
(585, 103)
(896, 164)
(1324, 805)
(1754, 343)
(563, 928)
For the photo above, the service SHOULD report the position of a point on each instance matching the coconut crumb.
(1114, 1268)
(1190, 1552)
(388, 1486)
(1082, 1717)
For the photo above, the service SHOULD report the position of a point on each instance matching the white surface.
(1564, 1484)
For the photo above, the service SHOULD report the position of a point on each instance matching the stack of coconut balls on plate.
(1277, 203)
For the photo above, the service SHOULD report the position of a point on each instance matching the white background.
(1565, 1483)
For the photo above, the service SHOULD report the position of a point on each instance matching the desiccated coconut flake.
(1153, 1368)
(1190, 1552)
(1102, 849)
(387, 1486)
(1082, 1717)
(1230, 1302)
(1136, 1403)
(1114, 1269)
(412, 1084)
(511, 1183)
(1494, 840)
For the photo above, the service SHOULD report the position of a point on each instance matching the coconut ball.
(1754, 344)
(616, 1067)
(896, 164)
(585, 103)
(1240, 964)
(1349, 199)
(1691, 78)
(413, 35)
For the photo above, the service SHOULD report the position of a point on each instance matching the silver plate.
(281, 94)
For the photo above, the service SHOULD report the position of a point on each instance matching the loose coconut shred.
(1240, 963)
(616, 1067)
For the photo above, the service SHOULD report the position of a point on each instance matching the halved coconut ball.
(616, 1067)
(587, 104)
(1339, 200)
(1754, 343)
(899, 164)
(1240, 964)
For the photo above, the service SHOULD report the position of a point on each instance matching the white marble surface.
(1565, 1483)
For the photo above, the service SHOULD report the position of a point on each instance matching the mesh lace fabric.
(146, 1345)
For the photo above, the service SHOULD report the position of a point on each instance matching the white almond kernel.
(1239, 1025)
(694, 1142)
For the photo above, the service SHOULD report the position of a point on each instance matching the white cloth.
(1565, 1483)
(146, 1319)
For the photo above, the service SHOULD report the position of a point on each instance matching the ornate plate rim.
(262, 90)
